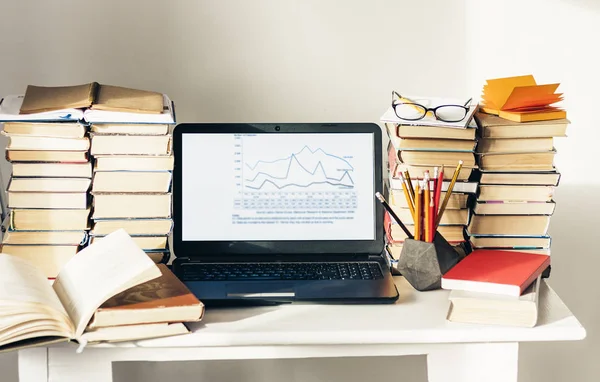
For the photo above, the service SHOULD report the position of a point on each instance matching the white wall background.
(278, 61)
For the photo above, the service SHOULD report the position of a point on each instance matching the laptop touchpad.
(258, 289)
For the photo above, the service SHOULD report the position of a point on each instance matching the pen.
(391, 212)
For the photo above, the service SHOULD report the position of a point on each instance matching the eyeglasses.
(411, 111)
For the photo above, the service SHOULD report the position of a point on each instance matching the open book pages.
(100, 271)
(30, 309)
(430, 119)
(10, 106)
(35, 311)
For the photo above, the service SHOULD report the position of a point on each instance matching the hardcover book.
(496, 271)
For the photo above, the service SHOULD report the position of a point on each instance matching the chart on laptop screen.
(280, 187)
(291, 178)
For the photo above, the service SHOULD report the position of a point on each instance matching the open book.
(39, 99)
(92, 103)
(33, 312)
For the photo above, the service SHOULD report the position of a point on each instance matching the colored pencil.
(410, 185)
(448, 193)
(409, 200)
(437, 193)
(431, 220)
(418, 205)
(426, 210)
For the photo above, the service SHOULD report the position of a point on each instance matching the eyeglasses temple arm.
(468, 102)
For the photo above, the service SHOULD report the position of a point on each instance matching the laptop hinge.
(273, 258)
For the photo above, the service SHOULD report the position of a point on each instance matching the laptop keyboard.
(281, 271)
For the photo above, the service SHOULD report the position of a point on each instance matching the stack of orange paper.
(520, 99)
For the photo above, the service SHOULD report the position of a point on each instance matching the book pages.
(100, 271)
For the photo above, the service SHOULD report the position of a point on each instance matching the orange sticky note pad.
(512, 97)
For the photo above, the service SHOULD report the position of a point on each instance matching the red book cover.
(496, 271)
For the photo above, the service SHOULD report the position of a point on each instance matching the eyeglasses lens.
(409, 111)
(451, 113)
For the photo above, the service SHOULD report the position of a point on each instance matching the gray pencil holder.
(423, 264)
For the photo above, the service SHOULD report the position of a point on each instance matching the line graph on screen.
(300, 178)
(306, 169)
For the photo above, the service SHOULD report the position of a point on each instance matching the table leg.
(33, 365)
(491, 362)
(65, 365)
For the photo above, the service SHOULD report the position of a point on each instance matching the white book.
(11, 105)
(497, 309)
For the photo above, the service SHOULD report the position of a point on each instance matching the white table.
(415, 325)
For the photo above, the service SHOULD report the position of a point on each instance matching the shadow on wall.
(575, 274)
(589, 5)
(8, 365)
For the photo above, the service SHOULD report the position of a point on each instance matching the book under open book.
(37, 313)
(496, 309)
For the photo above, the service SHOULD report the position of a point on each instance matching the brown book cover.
(117, 98)
(39, 99)
(164, 299)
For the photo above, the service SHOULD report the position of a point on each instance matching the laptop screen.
(272, 187)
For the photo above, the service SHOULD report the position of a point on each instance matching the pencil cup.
(423, 264)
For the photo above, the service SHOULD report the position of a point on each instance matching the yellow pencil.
(417, 219)
(448, 192)
(410, 186)
(409, 200)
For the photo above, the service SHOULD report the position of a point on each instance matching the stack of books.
(49, 193)
(132, 178)
(496, 287)
(516, 185)
(48, 189)
(421, 147)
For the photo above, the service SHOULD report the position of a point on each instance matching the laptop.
(280, 213)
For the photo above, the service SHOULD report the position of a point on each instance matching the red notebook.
(496, 271)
